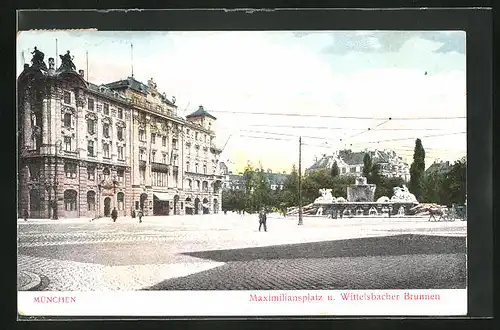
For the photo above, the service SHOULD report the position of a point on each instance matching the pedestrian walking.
(114, 214)
(25, 215)
(263, 219)
(139, 215)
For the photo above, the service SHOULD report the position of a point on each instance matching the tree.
(289, 195)
(335, 170)
(454, 183)
(367, 165)
(417, 169)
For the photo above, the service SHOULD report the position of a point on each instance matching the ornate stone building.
(86, 149)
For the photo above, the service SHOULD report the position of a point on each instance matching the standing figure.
(139, 215)
(263, 219)
(114, 214)
(25, 215)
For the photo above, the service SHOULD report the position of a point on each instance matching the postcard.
(242, 173)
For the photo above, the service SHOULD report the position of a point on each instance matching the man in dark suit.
(263, 219)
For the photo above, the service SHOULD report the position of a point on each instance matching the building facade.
(276, 181)
(85, 149)
(351, 163)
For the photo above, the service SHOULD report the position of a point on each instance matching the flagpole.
(87, 59)
(132, 58)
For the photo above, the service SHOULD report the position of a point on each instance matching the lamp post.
(48, 188)
(58, 146)
(115, 183)
(99, 188)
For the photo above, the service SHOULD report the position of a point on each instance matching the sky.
(336, 89)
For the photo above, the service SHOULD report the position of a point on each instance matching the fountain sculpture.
(360, 201)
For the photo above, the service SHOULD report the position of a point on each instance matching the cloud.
(344, 42)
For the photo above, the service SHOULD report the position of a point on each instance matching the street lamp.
(115, 183)
(99, 188)
(58, 147)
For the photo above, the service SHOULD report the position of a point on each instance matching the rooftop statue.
(67, 62)
(37, 60)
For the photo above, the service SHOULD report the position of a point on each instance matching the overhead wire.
(334, 116)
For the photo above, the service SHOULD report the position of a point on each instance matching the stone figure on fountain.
(326, 197)
(402, 194)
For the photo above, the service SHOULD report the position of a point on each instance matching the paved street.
(226, 252)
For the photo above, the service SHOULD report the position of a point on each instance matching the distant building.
(237, 181)
(351, 163)
(439, 167)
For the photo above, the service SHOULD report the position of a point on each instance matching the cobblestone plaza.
(227, 252)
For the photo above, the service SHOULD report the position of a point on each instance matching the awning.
(163, 196)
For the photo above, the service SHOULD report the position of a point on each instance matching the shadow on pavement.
(390, 262)
(362, 247)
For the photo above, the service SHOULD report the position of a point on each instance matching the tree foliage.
(448, 187)
(417, 169)
(335, 171)
(444, 188)
(367, 165)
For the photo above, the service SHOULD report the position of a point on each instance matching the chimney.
(81, 73)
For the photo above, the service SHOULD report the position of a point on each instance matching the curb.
(34, 283)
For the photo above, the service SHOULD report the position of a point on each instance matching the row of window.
(91, 105)
(142, 137)
(106, 128)
(203, 185)
(70, 170)
(197, 136)
(71, 200)
(91, 127)
(196, 167)
(105, 109)
(106, 147)
(159, 179)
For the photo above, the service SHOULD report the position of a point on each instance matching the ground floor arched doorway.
(189, 206)
(160, 207)
(197, 206)
(205, 206)
(107, 206)
(176, 204)
(216, 206)
(142, 202)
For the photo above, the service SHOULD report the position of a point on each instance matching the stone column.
(27, 129)
(45, 126)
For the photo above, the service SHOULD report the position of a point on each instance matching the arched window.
(120, 197)
(205, 185)
(198, 184)
(70, 200)
(35, 202)
(187, 166)
(106, 173)
(91, 200)
(204, 169)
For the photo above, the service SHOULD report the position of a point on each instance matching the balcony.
(160, 167)
(153, 108)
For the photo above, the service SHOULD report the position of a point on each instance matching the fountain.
(360, 201)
